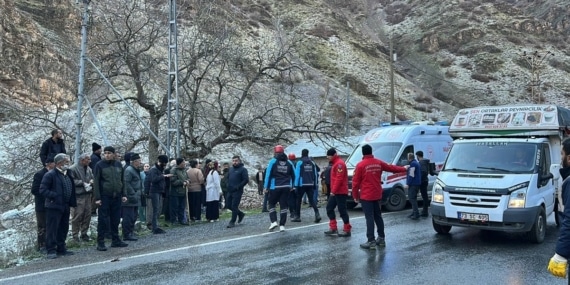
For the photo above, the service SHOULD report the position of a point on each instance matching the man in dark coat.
(109, 189)
(59, 191)
(133, 189)
(95, 157)
(53, 145)
(39, 202)
(237, 179)
(154, 185)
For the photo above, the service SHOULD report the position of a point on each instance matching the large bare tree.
(233, 88)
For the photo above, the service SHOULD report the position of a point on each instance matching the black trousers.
(108, 218)
(129, 215)
(373, 214)
(194, 200)
(280, 196)
(337, 201)
(423, 191)
(234, 199)
(57, 226)
(41, 222)
(177, 206)
(310, 195)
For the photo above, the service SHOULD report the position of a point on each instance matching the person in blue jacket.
(413, 183)
(559, 262)
(306, 180)
(279, 179)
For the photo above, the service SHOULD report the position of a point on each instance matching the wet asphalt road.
(247, 254)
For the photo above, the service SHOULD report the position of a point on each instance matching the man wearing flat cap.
(59, 192)
(133, 188)
(109, 192)
(81, 215)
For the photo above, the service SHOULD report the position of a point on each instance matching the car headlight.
(517, 198)
(437, 192)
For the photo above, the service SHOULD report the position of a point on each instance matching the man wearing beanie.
(306, 182)
(339, 193)
(95, 157)
(367, 189)
(109, 189)
(154, 188)
(133, 190)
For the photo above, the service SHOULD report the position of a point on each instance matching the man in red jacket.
(339, 193)
(367, 190)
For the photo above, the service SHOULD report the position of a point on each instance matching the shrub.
(321, 31)
(481, 77)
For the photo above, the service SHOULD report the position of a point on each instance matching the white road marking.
(167, 251)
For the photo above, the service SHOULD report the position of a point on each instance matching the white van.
(391, 144)
(502, 171)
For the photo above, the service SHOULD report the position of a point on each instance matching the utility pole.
(392, 99)
(81, 88)
(173, 128)
(346, 133)
(536, 63)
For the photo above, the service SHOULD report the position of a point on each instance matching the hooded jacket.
(280, 173)
(366, 184)
(563, 243)
(306, 173)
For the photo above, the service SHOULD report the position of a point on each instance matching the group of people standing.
(100, 181)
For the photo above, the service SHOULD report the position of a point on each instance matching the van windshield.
(383, 151)
(492, 157)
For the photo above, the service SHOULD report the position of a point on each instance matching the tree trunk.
(154, 148)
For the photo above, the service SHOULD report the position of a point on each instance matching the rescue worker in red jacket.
(339, 193)
(367, 189)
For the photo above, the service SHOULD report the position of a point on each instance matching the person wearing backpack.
(306, 182)
(427, 168)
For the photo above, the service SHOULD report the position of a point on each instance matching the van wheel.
(396, 201)
(440, 229)
(351, 205)
(538, 231)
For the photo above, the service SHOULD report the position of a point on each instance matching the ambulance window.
(404, 156)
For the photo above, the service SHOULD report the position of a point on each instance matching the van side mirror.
(403, 162)
(555, 171)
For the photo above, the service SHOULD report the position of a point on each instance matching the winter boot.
(317, 217)
(332, 228)
(345, 231)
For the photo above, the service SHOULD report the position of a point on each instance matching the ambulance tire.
(396, 201)
(538, 230)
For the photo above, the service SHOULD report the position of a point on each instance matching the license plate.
(473, 217)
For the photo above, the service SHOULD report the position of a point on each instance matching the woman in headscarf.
(213, 192)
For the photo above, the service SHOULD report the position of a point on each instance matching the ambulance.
(502, 172)
(391, 144)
